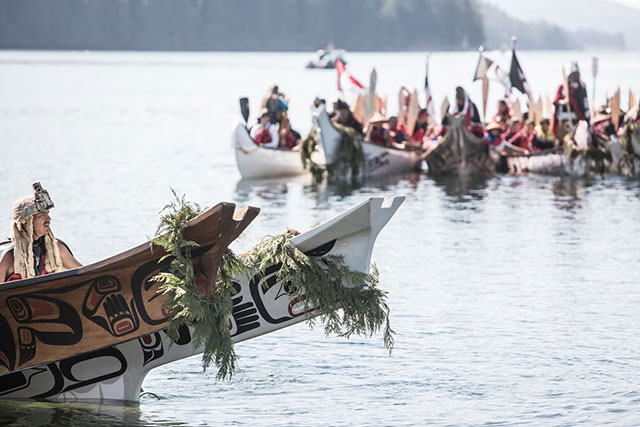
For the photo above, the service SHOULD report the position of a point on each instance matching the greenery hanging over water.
(329, 284)
(351, 148)
(209, 317)
(308, 147)
(325, 285)
(626, 164)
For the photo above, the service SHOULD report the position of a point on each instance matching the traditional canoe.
(378, 160)
(461, 152)
(326, 59)
(260, 306)
(71, 313)
(547, 162)
(256, 162)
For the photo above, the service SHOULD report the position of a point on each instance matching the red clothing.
(579, 107)
(519, 139)
(398, 134)
(263, 136)
(378, 136)
(418, 135)
(288, 140)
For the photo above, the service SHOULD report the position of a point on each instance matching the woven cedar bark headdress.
(22, 234)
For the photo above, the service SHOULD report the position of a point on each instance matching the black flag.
(516, 75)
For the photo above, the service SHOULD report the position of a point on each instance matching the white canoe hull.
(378, 160)
(256, 162)
(117, 372)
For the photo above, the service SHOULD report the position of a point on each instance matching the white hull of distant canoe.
(259, 307)
(558, 163)
(552, 163)
(378, 160)
(258, 162)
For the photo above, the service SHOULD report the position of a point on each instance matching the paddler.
(464, 106)
(577, 103)
(34, 250)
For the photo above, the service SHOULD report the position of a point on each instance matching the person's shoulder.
(6, 257)
(63, 246)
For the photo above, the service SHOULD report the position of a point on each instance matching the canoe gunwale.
(67, 314)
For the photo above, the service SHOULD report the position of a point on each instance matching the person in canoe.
(496, 137)
(289, 138)
(345, 117)
(503, 116)
(376, 132)
(577, 102)
(464, 105)
(34, 250)
(265, 133)
(545, 139)
(397, 132)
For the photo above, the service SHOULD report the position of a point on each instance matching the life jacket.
(288, 140)
(377, 136)
(263, 136)
(398, 134)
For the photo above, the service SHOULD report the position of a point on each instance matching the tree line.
(275, 25)
(244, 25)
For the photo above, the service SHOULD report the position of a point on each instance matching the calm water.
(516, 299)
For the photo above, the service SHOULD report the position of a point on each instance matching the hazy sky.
(630, 3)
(601, 15)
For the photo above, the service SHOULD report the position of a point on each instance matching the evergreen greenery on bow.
(325, 284)
(351, 148)
(352, 153)
(328, 284)
(209, 317)
(307, 149)
(626, 164)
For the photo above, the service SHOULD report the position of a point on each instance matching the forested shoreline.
(248, 25)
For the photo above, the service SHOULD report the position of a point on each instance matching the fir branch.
(307, 149)
(209, 318)
(351, 148)
(329, 285)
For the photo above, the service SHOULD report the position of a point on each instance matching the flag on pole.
(489, 69)
(516, 76)
(431, 110)
(345, 80)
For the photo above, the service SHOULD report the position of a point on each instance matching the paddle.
(615, 109)
(244, 109)
(565, 83)
(594, 73)
(445, 108)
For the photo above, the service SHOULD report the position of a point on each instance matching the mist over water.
(515, 299)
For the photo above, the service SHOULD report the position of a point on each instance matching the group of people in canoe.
(273, 129)
(509, 131)
(387, 132)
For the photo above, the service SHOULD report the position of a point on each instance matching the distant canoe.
(461, 152)
(256, 162)
(67, 314)
(326, 59)
(548, 162)
(378, 160)
(260, 306)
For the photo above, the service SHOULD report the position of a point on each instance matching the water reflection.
(463, 189)
(276, 191)
(35, 414)
(569, 193)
